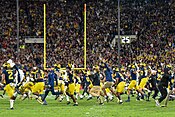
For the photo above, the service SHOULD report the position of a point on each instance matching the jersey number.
(10, 73)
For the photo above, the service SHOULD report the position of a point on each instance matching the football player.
(51, 78)
(120, 83)
(71, 86)
(96, 89)
(133, 83)
(108, 80)
(77, 85)
(8, 81)
(38, 88)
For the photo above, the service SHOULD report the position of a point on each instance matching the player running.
(8, 81)
(51, 78)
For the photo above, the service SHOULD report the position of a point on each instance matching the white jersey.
(19, 76)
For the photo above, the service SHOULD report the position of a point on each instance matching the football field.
(91, 108)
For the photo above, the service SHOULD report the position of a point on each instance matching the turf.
(91, 108)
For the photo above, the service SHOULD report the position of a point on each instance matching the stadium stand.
(152, 21)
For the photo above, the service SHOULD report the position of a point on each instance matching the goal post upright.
(85, 56)
(44, 36)
(84, 36)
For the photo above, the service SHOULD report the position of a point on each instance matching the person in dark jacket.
(51, 78)
(163, 85)
(96, 89)
(172, 90)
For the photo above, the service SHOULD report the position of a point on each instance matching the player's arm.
(116, 79)
(104, 79)
(56, 79)
(170, 82)
(3, 79)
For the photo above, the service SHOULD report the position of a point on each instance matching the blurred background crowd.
(152, 21)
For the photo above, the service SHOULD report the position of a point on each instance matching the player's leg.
(131, 85)
(89, 88)
(163, 92)
(109, 94)
(156, 91)
(120, 89)
(36, 91)
(71, 88)
(12, 94)
(94, 91)
(105, 86)
(46, 94)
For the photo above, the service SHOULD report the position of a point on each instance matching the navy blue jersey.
(119, 76)
(108, 73)
(70, 78)
(133, 74)
(86, 80)
(96, 79)
(51, 78)
(9, 76)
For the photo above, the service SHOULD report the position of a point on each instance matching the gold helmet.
(96, 67)
(6, 65)
(117, 69)
(122, 69)
(133, 67)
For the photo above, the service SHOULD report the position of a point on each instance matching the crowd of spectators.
(152, 21)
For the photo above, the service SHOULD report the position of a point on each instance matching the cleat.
(89, 98)
(39, 101)
(127, 100)
(56, 97)
(101, 103)
(120, 102)
(157, 103)
(112, 99)
(68, 103)
(10, 108)
(44, 102)
(137, 99)
(163, 105)
(76, 104)
(148, 100)
(1, 96)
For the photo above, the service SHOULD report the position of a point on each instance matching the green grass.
(30, 108)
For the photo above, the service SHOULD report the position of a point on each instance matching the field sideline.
(31, 108)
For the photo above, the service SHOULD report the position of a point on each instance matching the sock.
(67, 98)
(77, 96)
(11, 103)
(89, 96)
(81, 96)
(61, 97)
(101, 100)
(110, 96)
(15, 94)
(24, 96)
(119, 97)
(35, 96)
